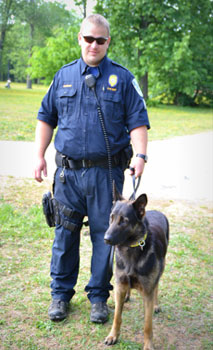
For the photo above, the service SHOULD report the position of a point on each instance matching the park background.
(168, 46)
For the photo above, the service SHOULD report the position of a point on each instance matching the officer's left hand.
(137, 166)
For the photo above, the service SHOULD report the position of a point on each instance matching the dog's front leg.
(120, 293)
(156, 306)
(148, 334)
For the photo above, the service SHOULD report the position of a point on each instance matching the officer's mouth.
(93, 52)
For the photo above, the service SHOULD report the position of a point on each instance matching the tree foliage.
(58, 51)
(168, 41)
(167, 44)
(8, 8)
(184, 69)
(82, 4)
(30, 23)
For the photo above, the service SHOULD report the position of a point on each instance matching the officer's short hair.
(98, 20)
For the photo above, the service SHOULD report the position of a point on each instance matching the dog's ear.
(139, 205)
(116, 195)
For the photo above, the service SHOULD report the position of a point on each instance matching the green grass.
(185, 322)
(170, 121)
(18, 110)
(19, 107)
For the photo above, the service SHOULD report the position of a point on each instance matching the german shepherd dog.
(141, 239)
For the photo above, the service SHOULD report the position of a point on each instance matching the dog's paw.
(110, 340)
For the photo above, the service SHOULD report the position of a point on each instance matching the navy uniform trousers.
(89, 192)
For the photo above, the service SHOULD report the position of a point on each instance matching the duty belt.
(66, 162)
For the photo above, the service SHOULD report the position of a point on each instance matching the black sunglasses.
(89, 39)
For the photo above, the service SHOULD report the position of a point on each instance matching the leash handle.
(135, 188)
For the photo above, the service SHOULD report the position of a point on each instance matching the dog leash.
(135, 188)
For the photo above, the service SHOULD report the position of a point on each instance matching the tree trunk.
(143, 81)
(144, 84)
(1, 54)
(85, 8)
(29, 81)
(6, 12)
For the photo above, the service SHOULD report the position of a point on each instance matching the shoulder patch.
(137, 87)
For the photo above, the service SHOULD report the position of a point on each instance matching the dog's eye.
(123, 220)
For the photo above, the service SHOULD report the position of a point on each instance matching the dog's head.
(126, 220)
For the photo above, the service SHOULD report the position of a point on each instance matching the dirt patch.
(22, 192)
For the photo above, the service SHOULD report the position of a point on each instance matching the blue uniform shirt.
(71, 106)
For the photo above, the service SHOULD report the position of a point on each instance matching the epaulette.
(70, 64)
(119, 65)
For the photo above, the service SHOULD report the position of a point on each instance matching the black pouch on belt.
(126, 155)
(47, 203)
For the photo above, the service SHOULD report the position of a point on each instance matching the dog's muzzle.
(111, 239)
(108, 241)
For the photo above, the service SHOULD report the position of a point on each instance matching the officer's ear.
(79, 39)
(108, 41)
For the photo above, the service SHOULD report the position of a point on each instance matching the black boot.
(99, 312)
(58, 310)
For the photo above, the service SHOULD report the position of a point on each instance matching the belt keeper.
(63, 161)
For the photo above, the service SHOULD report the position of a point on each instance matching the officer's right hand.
(41, 166)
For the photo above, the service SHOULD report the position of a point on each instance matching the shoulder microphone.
(90, 81)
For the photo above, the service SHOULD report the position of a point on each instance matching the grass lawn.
(19, 107)
(185, 289)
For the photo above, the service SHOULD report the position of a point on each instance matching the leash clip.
(142, 244)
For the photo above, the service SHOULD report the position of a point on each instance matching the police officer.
(82, 182)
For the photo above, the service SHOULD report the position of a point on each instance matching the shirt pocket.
(113, 105)
(67, 100)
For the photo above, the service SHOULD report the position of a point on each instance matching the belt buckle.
(83, 163)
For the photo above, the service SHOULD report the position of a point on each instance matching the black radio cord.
(107, 144)
(91, 81)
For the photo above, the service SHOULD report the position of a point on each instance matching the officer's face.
(93, 53)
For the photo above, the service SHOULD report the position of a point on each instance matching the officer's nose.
(94, 44)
